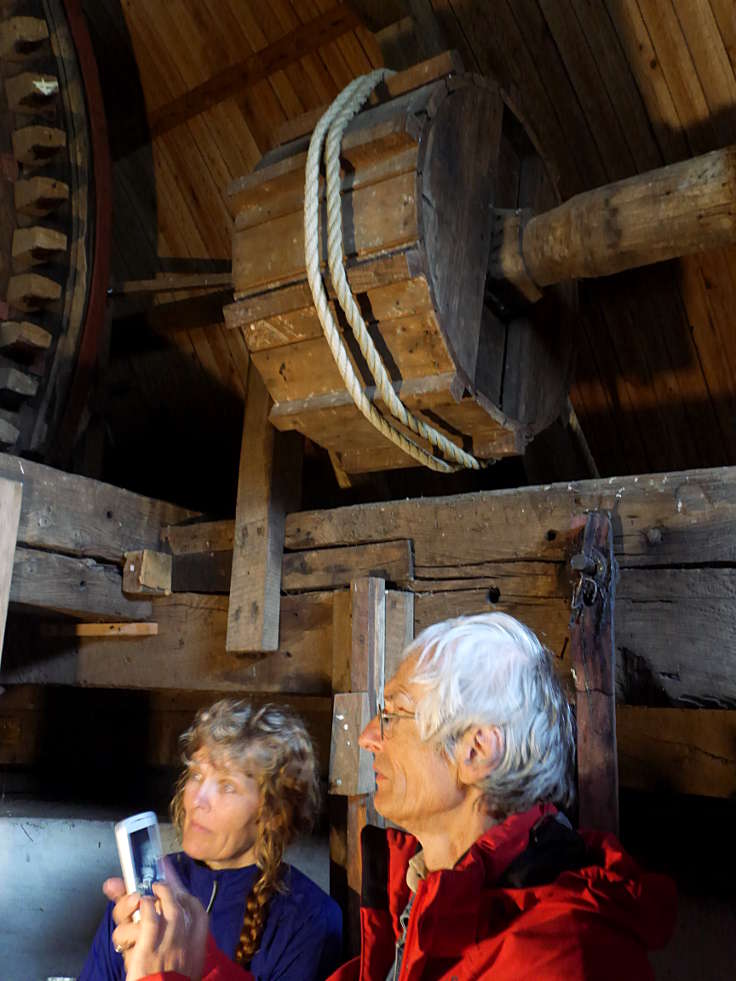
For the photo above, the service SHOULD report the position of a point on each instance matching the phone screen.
(146, 859)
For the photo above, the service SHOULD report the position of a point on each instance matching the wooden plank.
(363, 276)
(202, 536)
(99, 629)
(677, 751)
(334, 567)
(188, 652)
(350, 768)
(375, 218)
(399, 628)
(263, 497)
(256, 67)
(395, 85)
(11, 494)
(67, 513)
(76, 587)
(411, 348)
(390, 151)
(662, 519)
(592, 652)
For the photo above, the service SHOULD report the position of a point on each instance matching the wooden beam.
(11, 494)
(594, 675)
(64, 512)
(269, 477)
(232, 81)
(75, 587)
(188, 652)
(673, 211)
(99, 629)
(674, 540)
(170, 283)
(681, 751)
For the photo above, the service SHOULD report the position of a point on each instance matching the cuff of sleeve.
(219, 967)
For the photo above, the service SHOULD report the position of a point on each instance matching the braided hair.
(273, 744)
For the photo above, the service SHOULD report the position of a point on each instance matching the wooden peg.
(29, 292)
(21, 37)
(15, 381)
(39, 196)
(9, 431)
(21, 336)
(32, 92)
(33, 146)
(37, 245)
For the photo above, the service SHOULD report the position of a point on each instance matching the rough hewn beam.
(75, 515)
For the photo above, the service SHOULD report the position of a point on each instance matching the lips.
(198, 828)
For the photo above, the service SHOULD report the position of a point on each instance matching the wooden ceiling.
(609, 88)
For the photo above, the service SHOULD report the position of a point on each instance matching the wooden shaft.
(673, 211)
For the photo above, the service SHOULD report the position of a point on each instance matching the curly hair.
(272, 744)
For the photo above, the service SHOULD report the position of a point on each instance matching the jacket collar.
(451, 899)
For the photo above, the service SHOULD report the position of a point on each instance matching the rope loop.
(333, 123)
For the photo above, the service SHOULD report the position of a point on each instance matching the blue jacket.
(302, 939)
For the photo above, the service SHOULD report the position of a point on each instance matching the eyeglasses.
(384, 718)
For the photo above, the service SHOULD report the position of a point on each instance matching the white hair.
(492, 670)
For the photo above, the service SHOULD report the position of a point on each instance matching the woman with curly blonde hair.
(248, 788)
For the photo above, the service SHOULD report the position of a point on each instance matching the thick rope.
(353, 97)
(350, 308)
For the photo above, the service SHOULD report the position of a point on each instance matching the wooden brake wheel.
(54, 224)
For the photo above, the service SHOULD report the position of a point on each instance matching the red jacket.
(594, 920)
(217, 967)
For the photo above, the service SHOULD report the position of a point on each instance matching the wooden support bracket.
(147, 573)
(593, 665)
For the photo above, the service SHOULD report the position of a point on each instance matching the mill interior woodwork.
(177, 603)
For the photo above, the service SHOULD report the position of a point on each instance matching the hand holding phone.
(139, 846)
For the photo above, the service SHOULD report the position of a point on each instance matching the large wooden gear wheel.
(54, 228)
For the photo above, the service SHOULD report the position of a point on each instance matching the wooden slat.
(329, 568)
(36, 246)
(263, 496)
(411, 348)
(39, 196)
(29, 292)
(76, 587)
(11, 494)
(34, 146)
(67, 513)
(379, 217)
(23, 336)
(21, 37)
(364, 277)
(100, 630)
(188, 652)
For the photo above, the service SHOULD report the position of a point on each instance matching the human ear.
(478, 753)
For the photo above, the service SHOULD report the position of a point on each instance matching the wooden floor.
(609, 88)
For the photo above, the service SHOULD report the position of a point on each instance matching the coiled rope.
(333, 122)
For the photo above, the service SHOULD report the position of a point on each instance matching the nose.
(370, 737)
(203, 794)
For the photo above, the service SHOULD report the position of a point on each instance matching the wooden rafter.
(277, 56)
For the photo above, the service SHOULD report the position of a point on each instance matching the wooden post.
(269, 483)
(593, 663)
(371, 626)
(11, 494)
